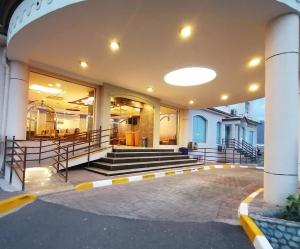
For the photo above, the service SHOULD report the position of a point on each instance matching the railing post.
(100, 137)
(240, 157)
(204, 155)
(24, 168)
(89, 149)
(67, 163)
(12, 160)
(233, 156)
(73, 144)
(58, 156)
(225, 156)
(40, 151)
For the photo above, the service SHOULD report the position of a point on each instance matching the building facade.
(62, 75)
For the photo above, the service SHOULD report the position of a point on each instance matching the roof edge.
(295, 4)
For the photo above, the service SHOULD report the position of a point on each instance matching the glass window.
(199, 129)
(58, 108)
(218, 133)
(168, 126)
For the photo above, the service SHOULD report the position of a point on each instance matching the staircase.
(126, 161)
(242, 147)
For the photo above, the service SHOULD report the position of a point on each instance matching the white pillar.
(18, 100)
(2, 82)
(281, 124)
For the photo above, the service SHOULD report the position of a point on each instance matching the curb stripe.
(84, 186)
(120, 180)
(15, 202)
(251, 229)
(150, 176)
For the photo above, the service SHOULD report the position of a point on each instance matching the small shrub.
(292, 208)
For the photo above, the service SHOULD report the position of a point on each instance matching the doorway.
(132, 122)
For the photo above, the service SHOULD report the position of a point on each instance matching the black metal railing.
(218, 155)
(242, 147)
(58, 151)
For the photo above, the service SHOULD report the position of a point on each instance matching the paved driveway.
(195, 210)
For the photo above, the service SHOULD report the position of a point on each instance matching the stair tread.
(144, 157)
(141, 152)
(135, 163)
(136, 170)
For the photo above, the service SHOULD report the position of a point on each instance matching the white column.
(18, 100)
(281, 124)
(2, 81)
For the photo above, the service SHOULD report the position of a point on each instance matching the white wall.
(211, 129)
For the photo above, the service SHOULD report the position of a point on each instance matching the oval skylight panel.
(190, 76)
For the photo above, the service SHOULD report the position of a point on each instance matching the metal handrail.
(80, 144)
(243, 147)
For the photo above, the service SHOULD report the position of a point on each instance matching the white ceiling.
(227, 34)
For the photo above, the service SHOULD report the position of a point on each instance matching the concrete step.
(141, 159)
(139, 170)
(141, 150)
(141, 154)
(145, 164)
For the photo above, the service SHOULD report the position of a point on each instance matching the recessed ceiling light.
(84, 64)
(191, 102)
(150, 89)
(45, 89)
(254, 87)
(51, 85)
(254, 62)
(58, 85)
(186, 31)
(114, 45)
(224, 97)
(190, 76)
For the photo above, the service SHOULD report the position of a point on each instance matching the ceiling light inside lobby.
(45, 89)
(114, 45)
(254, 87)
(224, 97)
(191, 102)
(150, 89)
(186, 31)
(83, 64)
(190, 76)
(254, 62)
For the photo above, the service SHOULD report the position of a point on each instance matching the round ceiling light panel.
(190, 76)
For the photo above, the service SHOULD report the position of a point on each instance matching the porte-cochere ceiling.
(226, 35)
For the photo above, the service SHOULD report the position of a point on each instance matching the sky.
(258, 108)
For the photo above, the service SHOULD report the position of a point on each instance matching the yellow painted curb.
(148, 176)
(255, 235)
(120, 180)
(12, 203)
(187, 170)
(226, 166)
(170, 173)
(250, 227)
(212, 167)
(84, 186)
